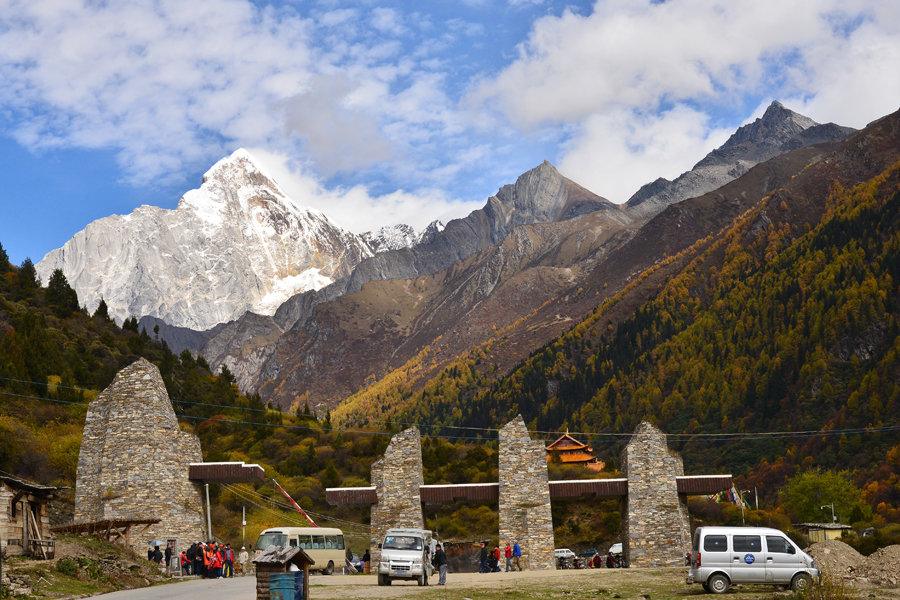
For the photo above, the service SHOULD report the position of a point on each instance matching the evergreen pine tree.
(102, 311)
(4, 260)
(60, 295)
(28, 279)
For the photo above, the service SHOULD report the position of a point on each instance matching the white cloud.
(615, 149)
(633, 80)
(355, 208)
(171, 85)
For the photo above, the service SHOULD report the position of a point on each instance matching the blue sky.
(386, 112)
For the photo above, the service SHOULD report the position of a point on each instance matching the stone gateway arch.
(655, 529)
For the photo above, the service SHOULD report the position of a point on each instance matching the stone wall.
(134, 459)
(397, 477)
(525, 496)
(656, 530)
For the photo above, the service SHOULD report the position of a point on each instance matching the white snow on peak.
(235, 244)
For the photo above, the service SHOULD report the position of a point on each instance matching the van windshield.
(271, 539)
(402, 542)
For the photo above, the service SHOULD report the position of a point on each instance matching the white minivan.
(722, 556)
(405, 554)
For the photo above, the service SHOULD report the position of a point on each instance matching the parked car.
(564, 553)
(723, 556)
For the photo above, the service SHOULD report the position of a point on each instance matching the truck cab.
(405, 554)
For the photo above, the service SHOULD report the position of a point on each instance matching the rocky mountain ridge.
(236, 244)
(779, 130)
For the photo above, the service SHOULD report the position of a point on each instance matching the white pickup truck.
(405, 554)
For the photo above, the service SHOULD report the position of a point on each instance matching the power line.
(592, 437)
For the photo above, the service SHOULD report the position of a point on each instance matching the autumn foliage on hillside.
(781, 331)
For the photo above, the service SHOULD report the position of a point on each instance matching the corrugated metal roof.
(573, 488)
(703, 484)
(473, 492)
(225, 472)
(351, 496)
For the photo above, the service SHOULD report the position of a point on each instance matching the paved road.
(237, 588)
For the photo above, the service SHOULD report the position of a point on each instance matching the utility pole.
(831, 506)
(741, 494)
(208, 516)
(243, 525)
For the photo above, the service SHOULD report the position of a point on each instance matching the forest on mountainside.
(776, 325)
(55, 357)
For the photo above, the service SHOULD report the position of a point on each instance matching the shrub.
(67, 566)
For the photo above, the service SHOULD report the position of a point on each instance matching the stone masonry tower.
(397, 477)
(656, 529)
(525, 496)
(134, 459)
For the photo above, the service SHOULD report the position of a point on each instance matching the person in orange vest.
(208, 558)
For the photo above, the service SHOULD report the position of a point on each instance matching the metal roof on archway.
(490, 492)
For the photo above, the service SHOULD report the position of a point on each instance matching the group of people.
(210, 560)
(490, 560)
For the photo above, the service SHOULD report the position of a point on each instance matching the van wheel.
(800, 582)
(421, 580)
(329, 569)
(718, 584)
(383, 579)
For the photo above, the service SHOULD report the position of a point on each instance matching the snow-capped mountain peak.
(235, 244)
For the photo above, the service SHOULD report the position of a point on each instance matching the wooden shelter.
(111, 530)
(24, 518)
(280, 559)
(572, 452)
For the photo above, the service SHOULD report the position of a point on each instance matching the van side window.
(293, 542)
(715, 543)
(306, 542)
(747, 543)
(318, 542)
(340, 542)
(778, 544)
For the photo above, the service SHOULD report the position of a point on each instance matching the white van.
(405, 554)
(325, 545)
(722, 556)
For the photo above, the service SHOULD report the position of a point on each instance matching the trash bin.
(283, 586)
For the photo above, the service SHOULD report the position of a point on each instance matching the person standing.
(229, 561)
(507, 552)
(185, 563)
(440, 561)
(198, 560)
(157, 556)
(168, 557)
(366, 559)
(517, 556)
(243, 557)
(483, 558)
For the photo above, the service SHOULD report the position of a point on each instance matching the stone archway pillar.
(397, 477)
(525, 496)
(656, 528)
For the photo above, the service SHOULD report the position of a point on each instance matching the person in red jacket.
(507, 552)
(218, 561)
(185, 563)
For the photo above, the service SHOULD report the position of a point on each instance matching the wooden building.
(278, 560)
(572, 452)
(820, 532)
(25, 518)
